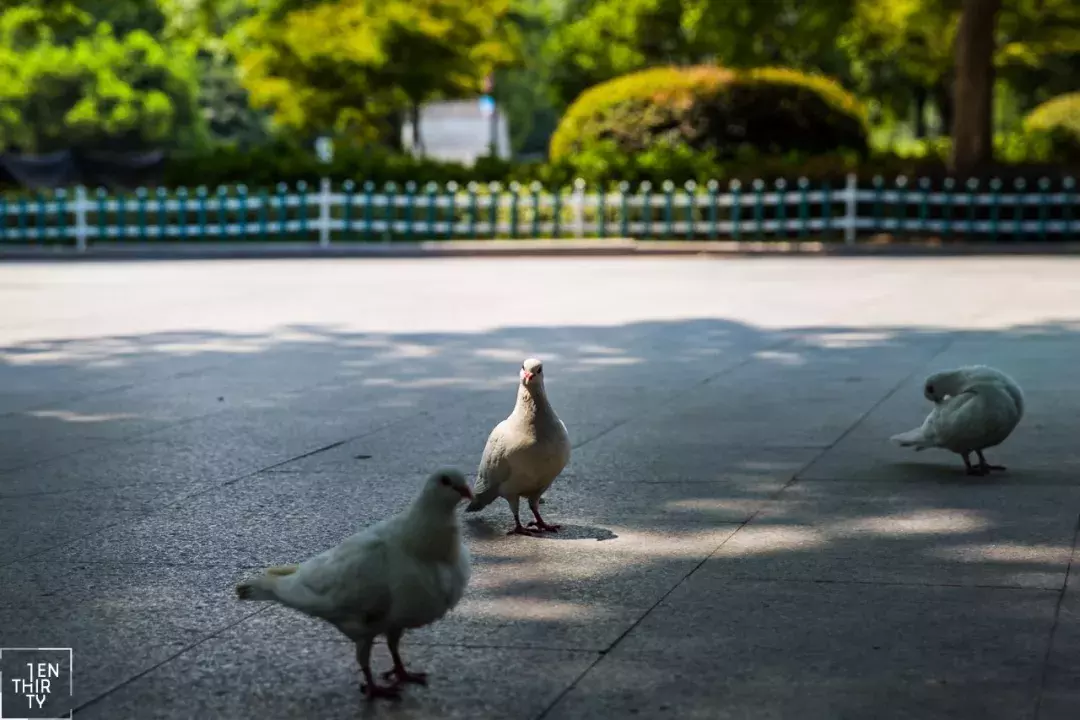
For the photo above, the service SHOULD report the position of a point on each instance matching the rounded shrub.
(1057, 121)
(707, 109)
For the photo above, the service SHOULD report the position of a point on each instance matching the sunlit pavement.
(739, 538)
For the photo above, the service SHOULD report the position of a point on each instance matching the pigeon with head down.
(524, 453)
(975, 408)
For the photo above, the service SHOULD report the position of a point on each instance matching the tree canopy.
(186, 73)
(70, 77)
(355, 66)
(601, 39)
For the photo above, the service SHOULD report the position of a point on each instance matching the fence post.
(851, 212)
(324, 212)
(81, 229)
(579, 208)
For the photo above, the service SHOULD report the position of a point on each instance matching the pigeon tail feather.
(262, 587)
(913, 438)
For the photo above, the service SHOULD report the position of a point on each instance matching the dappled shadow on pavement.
(739, 539)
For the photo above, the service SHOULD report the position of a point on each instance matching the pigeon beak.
(466, 493)
(528, 376)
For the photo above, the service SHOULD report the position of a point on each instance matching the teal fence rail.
(1042, 209)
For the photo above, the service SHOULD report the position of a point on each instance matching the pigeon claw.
(522, 530)
(401, 675)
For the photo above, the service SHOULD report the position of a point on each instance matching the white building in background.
(459, 131)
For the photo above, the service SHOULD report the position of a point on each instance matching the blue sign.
(487, 105)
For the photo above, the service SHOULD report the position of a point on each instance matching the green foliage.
(903, 48)
(284, 161)
(674, 117)
(522, 90)
(1057, 121)
(598, 40)
(100, 90)
(354, 66)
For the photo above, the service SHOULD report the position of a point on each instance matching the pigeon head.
(943, 384)
(532, 373)
(448, 486)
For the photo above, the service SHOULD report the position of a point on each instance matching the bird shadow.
(944, 473)
(483, 529)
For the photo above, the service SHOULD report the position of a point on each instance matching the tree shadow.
(737, 532)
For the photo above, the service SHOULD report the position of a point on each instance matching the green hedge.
(290, 163)
(708, 114)
(1058, 120)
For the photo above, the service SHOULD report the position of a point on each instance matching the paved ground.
(741, 542)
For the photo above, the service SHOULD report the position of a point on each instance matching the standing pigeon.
(524, 453)
(975, 408)
(404, 572)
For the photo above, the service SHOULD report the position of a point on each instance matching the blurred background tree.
(358, 67)
(93, 75)
(202, 77)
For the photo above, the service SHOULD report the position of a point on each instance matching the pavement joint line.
(633, 625)
(169, 659)
(246, 475)
(794, 478)
(79, 397)
(202, 491)
(944, 347)
(148, 434)
(690, 387)
(1054, 625)
(70, 399)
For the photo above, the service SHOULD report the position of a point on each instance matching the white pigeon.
(403, 572)
(975, 408)
(524, 453)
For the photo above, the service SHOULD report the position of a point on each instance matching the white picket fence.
(350, 212)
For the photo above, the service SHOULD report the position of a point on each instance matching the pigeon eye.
(930, 388)
(445, 480)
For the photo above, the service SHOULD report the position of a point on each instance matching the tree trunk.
(921, 95)
(417, 136)
(973, 94)
(390, 131)
(943, 101)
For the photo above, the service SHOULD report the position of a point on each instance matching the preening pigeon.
(975, 408)
(404, 572)
(524, 453)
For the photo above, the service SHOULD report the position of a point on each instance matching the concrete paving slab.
(35, 523)
(247, 674)
(694, 404)
(646, 454)
(854, 532)
(790, 398)
(1042, 449)
(120, 620)
(1059, 706)
(717, 648)
(1061, 688)
(266, 519)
